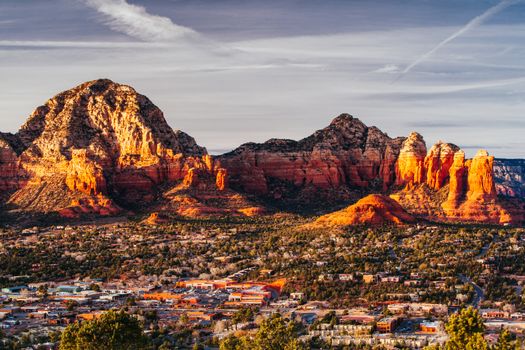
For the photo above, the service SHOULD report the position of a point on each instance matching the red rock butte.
(372, 210)
(94, 145)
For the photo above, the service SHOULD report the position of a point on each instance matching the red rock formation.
(346, 153)
(191, 179)
(481, 186)
(371, 210)
(410, 163)
(252, 211)
(96, 205)
(84, 175)
(156, 219)
(221, 179)
(102, 141)
(9, 165)
(99, 138)
(458, 183)
(480, 204)
(438, 162)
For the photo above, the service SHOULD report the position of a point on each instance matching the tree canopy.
(275, 333)
(112, 331)
(465, 330)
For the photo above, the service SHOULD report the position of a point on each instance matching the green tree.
(234, 343)
(94, 287)
(504, 341)
(277, 334)
(112, 331)
(465, 330)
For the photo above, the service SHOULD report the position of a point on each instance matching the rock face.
(371, 210)
(439, 184)
(509, 175)
(456, 189)
(346, 153)
(204, 192)
(9, 164)
(410, 164)
(438, 162)
(101, 132)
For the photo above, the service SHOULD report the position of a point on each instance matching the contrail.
(473, 23)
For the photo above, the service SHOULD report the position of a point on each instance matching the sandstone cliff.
(456, 189)
(9, 164)
(347, 153)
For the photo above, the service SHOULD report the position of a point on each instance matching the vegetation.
(275, 333)
(112, 331)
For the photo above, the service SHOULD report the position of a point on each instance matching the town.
(199, 282)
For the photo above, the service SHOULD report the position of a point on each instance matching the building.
(387, 324)
(494, 313)
(14, 290)
(430, 327)
(367, 278)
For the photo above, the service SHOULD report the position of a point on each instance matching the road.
(480, 295)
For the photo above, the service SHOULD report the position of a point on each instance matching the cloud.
(473, 23)
(389, 68)
(110, 45)
(135, 21)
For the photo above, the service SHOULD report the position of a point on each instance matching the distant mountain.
(101, 148)
(509, 175)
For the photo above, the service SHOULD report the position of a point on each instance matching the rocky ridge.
(439, 184)
(347, 153)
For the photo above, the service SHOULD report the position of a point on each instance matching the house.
(494, 313)
(430, 327)
(346, 277)
(368, 278)
(297, 296)
(391, 279)
(387, 324)
(14, 290)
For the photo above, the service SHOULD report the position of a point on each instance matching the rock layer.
(9, 165)
(410, 164)
(509, 176)
(346, 153)
(438, 162)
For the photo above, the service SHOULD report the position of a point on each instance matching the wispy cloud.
(80, 44)
(135, 21)
(473, 23)
(389, 68)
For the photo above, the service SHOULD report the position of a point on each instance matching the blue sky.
(233, 71)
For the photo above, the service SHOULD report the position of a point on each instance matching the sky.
(234, 71)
